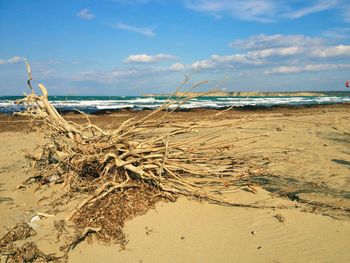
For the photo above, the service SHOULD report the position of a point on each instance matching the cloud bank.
(144, 58)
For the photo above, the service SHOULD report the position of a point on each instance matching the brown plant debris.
(111, 212)
(79, 237)
(28, 252)
(20, 231)
(123, 172)
(280, 218)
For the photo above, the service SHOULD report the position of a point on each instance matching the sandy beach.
(181, 131)
(300, 158)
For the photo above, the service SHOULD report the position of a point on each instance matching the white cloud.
(306, 68)
(285, 51)
(334, 51)
(12, 60)
(146, 31)
(262, 41)
(217, 62)
(237, 58)
(265, 46)
(203, 64)
(177, 67)
(298, 52)
(251, 58)
(251, 10)
(144, 58)
(316, 7)
(338, 33)
(284, 70)
(263, 10)
(85, 14)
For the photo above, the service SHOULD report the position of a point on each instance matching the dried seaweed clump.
(112, 212)
(28, 252)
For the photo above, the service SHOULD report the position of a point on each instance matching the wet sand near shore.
(304, 156)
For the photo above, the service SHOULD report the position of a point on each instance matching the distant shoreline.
(251, 94)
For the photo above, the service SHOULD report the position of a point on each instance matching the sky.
(132, 47)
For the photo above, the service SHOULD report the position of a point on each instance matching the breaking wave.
(95, 104)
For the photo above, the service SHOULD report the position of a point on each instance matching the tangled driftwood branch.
(132, 159)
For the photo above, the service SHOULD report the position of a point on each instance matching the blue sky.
(126, 47)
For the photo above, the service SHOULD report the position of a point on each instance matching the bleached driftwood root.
(100, 163)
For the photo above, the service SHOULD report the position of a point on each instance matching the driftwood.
(132, 159)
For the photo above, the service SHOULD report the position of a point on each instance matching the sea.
(98, 104)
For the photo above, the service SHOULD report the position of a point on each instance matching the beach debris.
(28, 252)
(249, 188)
(35, 218)
(21, 186)
(119, 174)
(148, 230)
(293, 196)
(54, 178)
(280, 218)
(20, 231)
(61, 229)
(79, 237)
(43, 215)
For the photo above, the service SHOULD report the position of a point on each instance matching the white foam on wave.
(7, 103)
(281, 100)
(113, 107)
(90, 103)
(125, 106)
(199, 104)
(144, 100)
(105, 103)
(139, 103)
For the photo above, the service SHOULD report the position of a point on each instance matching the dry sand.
(304, 154)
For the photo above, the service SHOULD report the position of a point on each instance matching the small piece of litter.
(35, 218)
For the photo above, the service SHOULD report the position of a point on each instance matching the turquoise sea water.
(94, 104)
